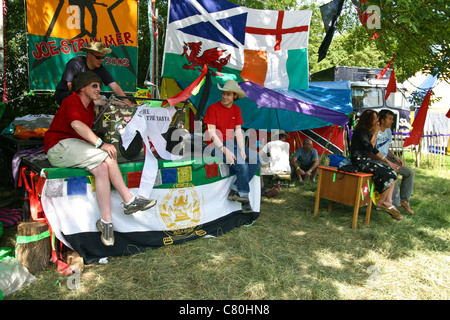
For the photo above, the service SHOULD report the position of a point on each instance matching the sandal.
(394, 213)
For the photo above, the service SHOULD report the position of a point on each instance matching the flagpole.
(150, 19)
(156, 75)
(5, 88)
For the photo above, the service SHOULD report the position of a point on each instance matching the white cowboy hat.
(232, 86)
(282, 133)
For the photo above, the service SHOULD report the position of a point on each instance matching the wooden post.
(319, 185)
(427, 137)
(33, 247)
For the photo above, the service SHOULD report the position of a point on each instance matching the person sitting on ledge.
(70, 142)
(223, 120)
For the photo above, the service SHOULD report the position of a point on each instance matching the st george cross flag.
(266, 47)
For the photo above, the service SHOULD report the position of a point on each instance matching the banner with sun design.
(58, 29)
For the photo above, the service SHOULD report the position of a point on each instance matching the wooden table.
(353, 189)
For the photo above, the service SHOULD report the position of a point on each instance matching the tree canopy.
(417, 32)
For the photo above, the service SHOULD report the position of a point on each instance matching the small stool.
(353, 189)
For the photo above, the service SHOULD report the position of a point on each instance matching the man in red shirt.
(224, 120)
(70, 142)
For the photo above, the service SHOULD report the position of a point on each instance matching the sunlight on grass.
(288, 254)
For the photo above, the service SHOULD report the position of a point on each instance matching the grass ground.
(287, 254)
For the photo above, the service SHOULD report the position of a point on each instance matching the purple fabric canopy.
(272, 99)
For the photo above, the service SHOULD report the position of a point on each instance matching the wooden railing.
(430, 152)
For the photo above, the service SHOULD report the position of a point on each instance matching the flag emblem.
(180, 213)
(210, 57)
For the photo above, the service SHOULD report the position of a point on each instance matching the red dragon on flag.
(210, 57)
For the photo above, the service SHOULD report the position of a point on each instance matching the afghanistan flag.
(191, 203)
(266, 47)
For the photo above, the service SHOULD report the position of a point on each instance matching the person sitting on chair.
(305, 161)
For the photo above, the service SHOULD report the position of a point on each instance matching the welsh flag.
(266, 47)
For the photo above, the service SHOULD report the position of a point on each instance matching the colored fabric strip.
(169, 175)
(212, 170)
(184, 174)
(76, 186)
(134, 179)
(28, 239)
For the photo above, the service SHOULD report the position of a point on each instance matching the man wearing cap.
(96, 52)
(224, 120)
(70, 142)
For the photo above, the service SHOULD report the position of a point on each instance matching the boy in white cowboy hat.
(96, 52)
(224, 120)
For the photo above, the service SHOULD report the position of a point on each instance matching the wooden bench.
(353, 189)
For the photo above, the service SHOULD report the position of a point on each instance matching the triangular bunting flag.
(392, 85)
(186, 93)
(381, 74)
(419, 122)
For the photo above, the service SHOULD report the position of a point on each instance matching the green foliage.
(20, 102)
(417, 32)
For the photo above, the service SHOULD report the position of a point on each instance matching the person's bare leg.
(116, 179)
(103, 190)
(385, 199)
(314, 174)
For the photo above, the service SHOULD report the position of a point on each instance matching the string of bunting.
(184, 174)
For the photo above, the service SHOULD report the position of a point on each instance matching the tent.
(315, 112)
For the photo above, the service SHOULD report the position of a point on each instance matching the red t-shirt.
(223, 118)
(71, 109)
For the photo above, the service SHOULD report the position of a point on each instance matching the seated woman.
(384, 176)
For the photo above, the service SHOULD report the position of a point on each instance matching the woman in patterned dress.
(384, 176)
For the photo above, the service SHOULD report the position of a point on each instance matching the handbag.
(335, 159)
(348, 168)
